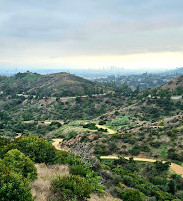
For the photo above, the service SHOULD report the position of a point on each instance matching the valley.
(112, 136)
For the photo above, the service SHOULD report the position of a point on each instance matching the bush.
(14, 187)
(130, 195)
(71, 187)
(102, 122)
(64, 157)
(90, 175)
(101, 149)
(135, 150)
(4, 141)
(91, 126)
(79, 170)
(16, 161)
(39, 150)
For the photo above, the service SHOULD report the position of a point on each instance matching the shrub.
(71, 187)
(160, 166)
(102, 122)
(39, 150)
(79, 170)
(135, 150)
(62, 157)
(101, 149)
(91, 126)
(130, 195)
(16, 161)
(102, 130)
(90, 175)
(4, 141)
(14, 187)
(71, 134)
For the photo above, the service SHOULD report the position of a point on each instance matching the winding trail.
(56, 143)
(174, 167)
(110, 131)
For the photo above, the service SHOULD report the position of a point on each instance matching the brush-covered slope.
(59, 84)
(175, 86)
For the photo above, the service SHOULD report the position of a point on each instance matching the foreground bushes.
(16, 161)
(90, 175)
(15, 172)
(14, 187)
(71, 187)
(37, 149)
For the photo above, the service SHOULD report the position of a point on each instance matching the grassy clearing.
(119, 122)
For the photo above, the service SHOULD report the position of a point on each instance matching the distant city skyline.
(58, 34)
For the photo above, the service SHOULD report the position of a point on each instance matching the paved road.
(66, 97)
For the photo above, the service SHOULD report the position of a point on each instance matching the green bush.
(135, 150)
(39, 150)
(62, 157)
(71, 187)
(101, 149)
(16, 161)
(78, 170)
(90, 175)
(102, 122)
(91, 126)
(13, 187)
(4, 141)
(129, 195)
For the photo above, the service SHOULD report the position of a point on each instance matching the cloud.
(57, 28)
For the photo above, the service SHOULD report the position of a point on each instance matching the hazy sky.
(91, 33)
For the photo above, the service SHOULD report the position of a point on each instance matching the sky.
(145, 34)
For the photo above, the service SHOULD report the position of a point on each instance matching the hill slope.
(175, 86)
(59, 84)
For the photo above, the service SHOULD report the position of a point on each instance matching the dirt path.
(110, 131)
(18, 135)
(174, 167)
(56, 143)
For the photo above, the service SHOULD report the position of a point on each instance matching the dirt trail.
(174, 167)
(56, 143)
(110, 131)
(18, 135)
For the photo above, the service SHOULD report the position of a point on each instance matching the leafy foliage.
(16, 161)
(14, 187)
(37, 149)
(71, 187)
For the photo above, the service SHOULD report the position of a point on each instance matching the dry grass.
(41, 186)
(106, 197)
